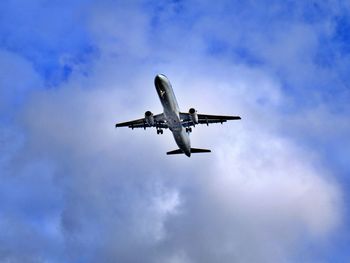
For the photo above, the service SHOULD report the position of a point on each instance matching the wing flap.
(132, 124)
(205, 119)
(142, 123)
(217, 117)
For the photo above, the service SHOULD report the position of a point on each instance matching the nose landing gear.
(189, 129)
(159, 131)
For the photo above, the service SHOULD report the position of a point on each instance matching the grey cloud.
(256, 192)
(105, 195)
(13, 93)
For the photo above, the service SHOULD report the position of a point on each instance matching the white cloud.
(256, 197)
(259, 197)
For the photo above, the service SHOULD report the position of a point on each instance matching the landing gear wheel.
(188, 130)
(159, 131)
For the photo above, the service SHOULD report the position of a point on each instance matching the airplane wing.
(159, 122)
(205, 119)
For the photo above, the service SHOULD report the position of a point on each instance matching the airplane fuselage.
(179, 123)
(171, 113)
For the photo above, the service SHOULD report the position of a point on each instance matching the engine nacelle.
(194, 115)
(149, 118)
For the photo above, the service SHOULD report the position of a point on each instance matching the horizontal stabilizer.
(179, 151)
(193, 150)
(196, 150)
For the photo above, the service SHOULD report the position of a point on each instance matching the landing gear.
(188, 130)
(159, 131)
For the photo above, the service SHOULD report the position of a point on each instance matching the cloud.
(51, 36)
(86, 192)
(13, 93)
(255, 192)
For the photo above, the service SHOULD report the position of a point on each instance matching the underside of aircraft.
(180, 123)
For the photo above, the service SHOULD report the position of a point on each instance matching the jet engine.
(149, 118)
(194, 116)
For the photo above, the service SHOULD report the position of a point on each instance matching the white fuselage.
(171, 113)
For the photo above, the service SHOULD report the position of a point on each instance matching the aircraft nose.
(159, 78)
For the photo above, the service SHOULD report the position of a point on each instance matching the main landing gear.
(159, 131)
(188, 130)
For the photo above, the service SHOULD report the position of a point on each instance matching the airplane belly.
(182, 140)
(173, 121)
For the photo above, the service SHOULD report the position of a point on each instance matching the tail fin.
(193, 150)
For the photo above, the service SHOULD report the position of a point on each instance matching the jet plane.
(179, 123)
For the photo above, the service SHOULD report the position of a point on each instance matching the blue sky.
(274, 189)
